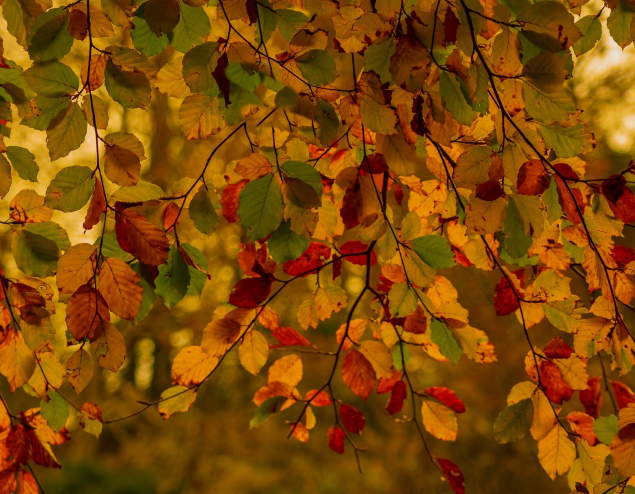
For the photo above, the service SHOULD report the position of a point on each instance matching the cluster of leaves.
(399, 136)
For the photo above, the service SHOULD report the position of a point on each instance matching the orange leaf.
(191, 366)
(358, 374)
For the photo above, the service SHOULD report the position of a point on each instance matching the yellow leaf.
(379, 356)
(253, 351)
(287, 369)
(556, 452)
(219, 336)
(176, 399)
(191, 366)
(439, 420)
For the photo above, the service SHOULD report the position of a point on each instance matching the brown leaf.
(109, 346)
(86, 309)
(121, 165)
(118, 283)
(76, 267)
(97, 206)
(80, 370)
(141, 238)
(533, 180)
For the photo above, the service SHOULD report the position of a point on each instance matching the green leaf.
(567, 142)
(548, 108)
(549, 25)
(619, 23)
(35, 248)
(149, 295)
(197, 277)
(176, 399)
(143, 38)
(198, 65)
(240, 98)
(71, 189)
(286, 97)
(202, 212)
(327, 119)
(591, 29)
(66, 132)
(110, 248)
(52, 79)
(317, 67)
(239, 76)
(454, 100)
(46, 109)
(550, 199)
(100, 107)
(304, 172)
(605, 428)
(516, 241)
(377, 59)
(55, 411)
(173, 279)
(513, 423)
(260, 207)
(266, 410)
(23, 162)
(402, 300)
(443, 337)
(379, 118)
(546, 72)
(192, 29)
(129, 89)
(290, 21)
(286, 245)
(434, 250)
(48, 37)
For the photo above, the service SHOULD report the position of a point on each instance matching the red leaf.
(623, 394)
(96, 208)
(569, 204)
(318, 398)
(451, 24)
(591, 398)
(220, 77)
(252, 11)
(555, 388)
(623, 255)
(505, 302)
(374, 164)
(255, 262)
(386, 384)
(489, 191)
(18, 444)
(620, 198)
(557, 348)
(337, 267)
(453, 475)
(289, 337)
(308, 262)
(353, 420)
(355, 247)
(398, 191)
(249, 293)
(336, 439)
(533, 180)
(397, 397)
(447, 397)
(229, 200)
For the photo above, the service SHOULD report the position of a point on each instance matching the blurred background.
(211, 448)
